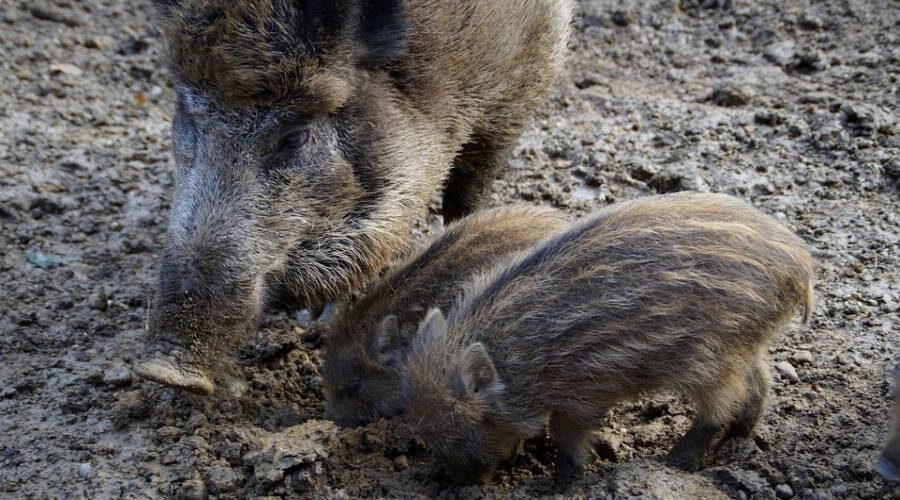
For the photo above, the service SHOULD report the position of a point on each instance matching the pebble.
(193, 489)
(98, 300)
(730, 96)
(221, 480)
(784, 491)
(65, 69)
(779, 53)
(304, 318)
(42, 260)
(117, 375)
(401, 462)
(84, 470)
(802, 357)
(787, 371)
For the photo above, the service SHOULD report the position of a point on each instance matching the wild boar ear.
(383, 31)
(385, 341)
(477, 369)
(433, 326)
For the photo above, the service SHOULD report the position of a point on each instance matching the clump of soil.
(791, 105)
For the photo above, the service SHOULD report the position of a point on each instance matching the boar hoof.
(888, 470)
(167, 371)
(686, 461)
(568, 470)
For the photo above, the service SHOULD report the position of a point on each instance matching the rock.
(84, 470)
(42, 260)
(221, 480)
(802, 357)
(588, 80)
(779, 53)
(54, 16)
(7, 392)
(746, 481)
(768, 118)
(784, 491)
(608, 446)
(401, 462)
(304, 318)
(730, 96)
(787, 371)
(810, 22)
(95, 42)
(118, 375)
(295, 448)
(678, 178)
(810, 62)
(98, 300)
(620, 18)
(65, 69)
(193, 489)
(866, 118)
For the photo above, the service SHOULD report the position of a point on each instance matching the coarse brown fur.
(669, 293)
(889, 460)
(309, 136)
(365, 349)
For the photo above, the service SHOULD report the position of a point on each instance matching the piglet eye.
(293, 140)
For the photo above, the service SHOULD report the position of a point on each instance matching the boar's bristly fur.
(309, 136)
(363, 376)
(670, 293)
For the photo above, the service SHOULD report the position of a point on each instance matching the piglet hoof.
(568, 470)
(684, 460)
(166, 370)
(888, 470)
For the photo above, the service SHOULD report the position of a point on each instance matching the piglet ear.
(432, 327)
(384, 340)
(477, 369)
(383, 31)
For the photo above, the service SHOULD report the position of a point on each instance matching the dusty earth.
(790, 104)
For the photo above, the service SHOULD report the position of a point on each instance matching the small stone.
(84, 470)
(304, 318)
(401, 462)
(118, 375)
(608, 446)
(42, 260)
(7, 392)
(620, 18)
(802, 357)
(193, 489)
(779, 53)
(787, 371)
(65, 69)
(784, 491)
(730, 96)
(98, 300)
(95, 42)
(221, 480)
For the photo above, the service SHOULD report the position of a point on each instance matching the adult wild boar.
(308, 137)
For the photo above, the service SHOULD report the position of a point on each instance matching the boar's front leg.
(473, 172)
(572, 436)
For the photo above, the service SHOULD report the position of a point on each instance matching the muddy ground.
(790, 104)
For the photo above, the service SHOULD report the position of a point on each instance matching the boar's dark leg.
(716, 408)
(757, 390)
(573, 437)
(472, 174)
(687, 454)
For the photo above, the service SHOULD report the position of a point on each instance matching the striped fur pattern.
(309, 136)
(669, 293)
(363, 370)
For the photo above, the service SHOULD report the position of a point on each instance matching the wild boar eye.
(293, 140)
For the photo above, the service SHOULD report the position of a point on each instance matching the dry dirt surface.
(790, 104)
